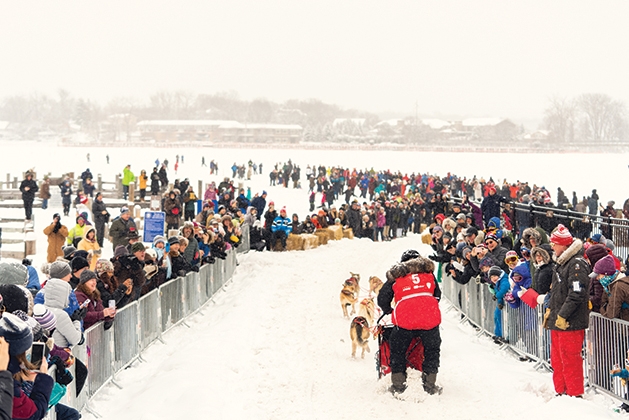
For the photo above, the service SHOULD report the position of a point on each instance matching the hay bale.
(310, 241)
(336, 232)
(322, 234)
(294, 242)
(348, 233)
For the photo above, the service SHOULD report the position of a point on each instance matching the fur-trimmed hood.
(531, 233)
(414, 266)
(543, 252)
(575, 248)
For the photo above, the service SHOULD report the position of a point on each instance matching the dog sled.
(414, 354)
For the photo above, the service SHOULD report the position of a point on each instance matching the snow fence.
(606, 345)
(140, 324)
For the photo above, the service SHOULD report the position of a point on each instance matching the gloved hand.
(621, 373)
(493, 297)
(561, 323)
(500, 306)
(434, 258)
(540, 299)
(79, 314)
(521, 292)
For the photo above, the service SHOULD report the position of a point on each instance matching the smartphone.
(112, 303)
(84, 304)
(38, 351)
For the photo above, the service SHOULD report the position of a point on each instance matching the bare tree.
(601, 117)
(559, 119)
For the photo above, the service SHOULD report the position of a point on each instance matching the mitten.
(561, 323)
(500, 306)
(79, 314)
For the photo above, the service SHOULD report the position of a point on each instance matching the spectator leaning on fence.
(615, 297)
(567, 315)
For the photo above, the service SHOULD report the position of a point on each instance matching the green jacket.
(127, 177)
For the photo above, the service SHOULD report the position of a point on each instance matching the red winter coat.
(416, 306)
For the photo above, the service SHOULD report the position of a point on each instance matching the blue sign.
(154, 222)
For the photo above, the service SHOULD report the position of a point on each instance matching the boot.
(398, 383)
(430, 385)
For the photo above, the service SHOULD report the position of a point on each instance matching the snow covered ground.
(274, 345)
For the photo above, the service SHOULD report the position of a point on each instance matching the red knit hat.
(561, 236)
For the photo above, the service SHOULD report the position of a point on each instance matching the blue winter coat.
(502, 286)
(33, 278)
(523, 270)
(282, 223)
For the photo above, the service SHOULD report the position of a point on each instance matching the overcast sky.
(473, 58)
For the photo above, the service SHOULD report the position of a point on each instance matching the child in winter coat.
(500, 281)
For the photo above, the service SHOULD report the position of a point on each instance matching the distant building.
(488, 128)
(215, 131)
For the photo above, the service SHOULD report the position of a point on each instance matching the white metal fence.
(141, 323)
(606, 344)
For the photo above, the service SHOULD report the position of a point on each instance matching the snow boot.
(398, 383)
(430, 385)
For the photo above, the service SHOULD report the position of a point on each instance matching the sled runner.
(414, 354)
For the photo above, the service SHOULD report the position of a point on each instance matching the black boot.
(430, 385)
(398, 383)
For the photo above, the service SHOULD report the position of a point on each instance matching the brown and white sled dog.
(367, 309)
(359, 333)
(354, 281)
(348, 298)
(375, 284)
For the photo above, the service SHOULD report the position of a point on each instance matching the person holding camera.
(57, 234)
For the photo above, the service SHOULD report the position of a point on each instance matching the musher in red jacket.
(416, 314)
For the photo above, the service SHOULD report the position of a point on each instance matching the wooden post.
(14, 182)
(30, 243)
(99, 183)
(132, 192)
(8, 184)
(119, 185)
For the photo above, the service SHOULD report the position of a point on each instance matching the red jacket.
(416, 306)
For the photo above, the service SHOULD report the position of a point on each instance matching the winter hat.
(465, 252)
(36, 329)
(13, 298)
(133, 233)
(283, 210)
(103, 266)
(595, 253)
(59, 269)
(151, 253)
(124, 210)
(120, 251)
(471, 231)
(86, 276)
(610, 244)
(511, 254)
(605, 266)
(460, 216)
(495, 271)
(491, 237)
(173, 240)
(561, 236)
(138, 246)
(78, 263)
(263, 192)
(13, 273)
(159, 239)
(17, 333)
(81, 253)
(486, 262)
(437, 229)
(68, 252)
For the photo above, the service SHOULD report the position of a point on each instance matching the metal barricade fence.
(149, 321)
(607, 345)
(521, 329)
(205, 290)
(171, 303)
(244, 240)
(126, 336)
(192, 293)
(98, 357)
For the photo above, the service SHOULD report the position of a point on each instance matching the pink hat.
(561, 236)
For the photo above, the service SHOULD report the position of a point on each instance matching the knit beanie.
(595, 253)
(59, 269)
(46, 319)
(16, 332)
(86, 276)
(159, 239)
(561, 236)
(68, 251)
(138, 246)
(13, 273)
(13, 298)
(103, 265)
(605, 266)
(495, 271)
(120, 251)
(78, 263)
